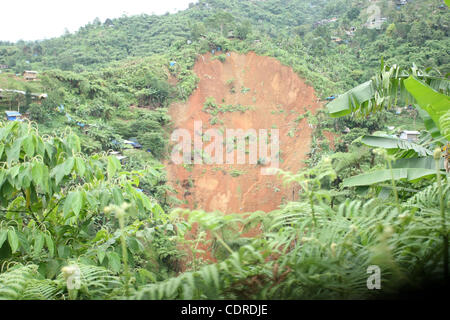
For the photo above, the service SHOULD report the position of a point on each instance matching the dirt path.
(277, 97)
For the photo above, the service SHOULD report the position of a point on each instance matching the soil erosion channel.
(254, 92)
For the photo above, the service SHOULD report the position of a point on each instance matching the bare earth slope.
(277, 97)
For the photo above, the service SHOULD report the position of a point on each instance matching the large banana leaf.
(358, 97)
(436, 104)
(412, 169)
(401, 148)
(378, 176)
(444, 123)
(423, 162)
(429, 124)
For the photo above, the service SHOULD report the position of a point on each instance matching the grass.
(405, 121)
(236, 173)
(11, 81)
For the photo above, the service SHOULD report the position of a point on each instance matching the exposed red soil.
(278, 96)
(331, 138)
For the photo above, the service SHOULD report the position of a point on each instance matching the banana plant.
(391, 86)
(429, 94)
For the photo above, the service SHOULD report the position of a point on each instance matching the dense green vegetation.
(71, 211)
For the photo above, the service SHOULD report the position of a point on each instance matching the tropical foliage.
(78, 223)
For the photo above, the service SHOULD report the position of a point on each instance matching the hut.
(409, 135)
(30, 75)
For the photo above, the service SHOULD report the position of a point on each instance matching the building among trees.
(30, 75)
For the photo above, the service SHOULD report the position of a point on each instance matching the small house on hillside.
(13, 116)
(30, 75)
(409, 135)
(4, 66)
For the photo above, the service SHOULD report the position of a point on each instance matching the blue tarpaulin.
(13, 115)
(172, 63)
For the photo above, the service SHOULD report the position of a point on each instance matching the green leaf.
(28, 146)
(68, 165)
(77, 202)
(68, 204)
(39, 244)
(50, 245)
(444, 124)
(13, 152)
(396, 145)
(351, 100)
(13, 240)
(429, 123)
(101, 255)
(423, 162)
(113, 261)
(37, 173)
(113, 166)
(58, 172)
(117, 196)
(134, 245)
(64, 251)
(74, 143)
(80, 166)
(434, 103)
(409, 174)
(3, 236)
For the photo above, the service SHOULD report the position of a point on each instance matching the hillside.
(416, 32)
(98, 202)
(271, 96)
